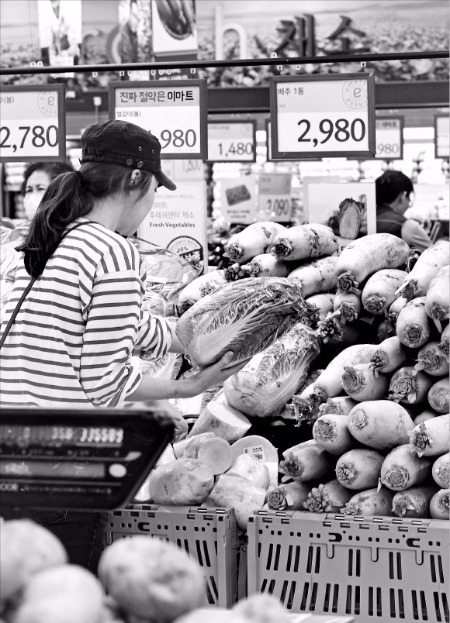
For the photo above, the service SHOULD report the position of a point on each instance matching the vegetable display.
(304, 241)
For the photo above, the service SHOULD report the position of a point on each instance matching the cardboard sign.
(274, 197)
(174, 111)
(323, 116)
(239, 199)
(32, 123)
(389, 138)
(177, 222)
(441, 136)
(232, 141)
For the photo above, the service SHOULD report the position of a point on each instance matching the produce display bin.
(382, 569)
(209, 535)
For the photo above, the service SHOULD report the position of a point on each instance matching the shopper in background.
(393, 198)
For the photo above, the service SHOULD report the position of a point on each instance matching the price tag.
(441, 136)
(389, 138)
(270, 157)
(174, 111)
(232, 141)
(322, 116)
(274, 198)
(32, 123)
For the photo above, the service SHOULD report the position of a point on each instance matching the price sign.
(274, 198)
(323, 116)
(389, 138)
(232, 141)
(174, 111)
(441, 136)
(269, 156)
(32, 123)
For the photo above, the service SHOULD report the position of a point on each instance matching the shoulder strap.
(26, 291)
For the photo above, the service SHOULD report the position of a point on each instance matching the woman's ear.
(136, 175)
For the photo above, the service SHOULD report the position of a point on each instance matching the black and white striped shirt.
(78, 327)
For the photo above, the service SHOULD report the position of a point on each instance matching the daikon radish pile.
(441, 471)
(253, 470)
(409, 386)
(371, 503)
(437, 300)
(348, 305)
(444, 344)
(211, 450)
(265, 265)
(198, 288)
(327, 498)
(389, 356)
(403, 469)
(379, 292)
(431, 438)
(428, 414)
(413, 325)
(425, 269)
(359, 468)
(305, 461)
(220, 418)
(316, 277)
(331, 433)
(335, 332)
(181, 482)
(414, 502)
(288, 496)
(440, 505)
(366, 256)
(380, 424)
(438, 396)
(361, 383)
(323, 303)
(304, 241)
(340, 405)
(231, 491)
(431, 360)
(253, 240)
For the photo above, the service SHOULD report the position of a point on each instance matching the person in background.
(393, 197)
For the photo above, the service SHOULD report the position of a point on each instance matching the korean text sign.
(32, 123)
(389, 136)
(232, 141)
(173, 110)
(322, 116)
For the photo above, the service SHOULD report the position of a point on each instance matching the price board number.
(232, 141)
(322, 116)
(389, 138)
(174, 111)
(274, 197)
(32, 125)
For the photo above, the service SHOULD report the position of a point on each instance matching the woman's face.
(138, 210)
(35, 187)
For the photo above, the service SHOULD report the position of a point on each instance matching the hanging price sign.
(389, 138)
(274, 197)
(441, 136)
(173, 110)
(322, 116)
(232, 141)
(32, 123)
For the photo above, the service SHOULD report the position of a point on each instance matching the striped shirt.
(76, 331)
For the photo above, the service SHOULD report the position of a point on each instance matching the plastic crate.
(207, 534)
(374, 569)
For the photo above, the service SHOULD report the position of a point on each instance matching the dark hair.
(389, 185)
(71, 196)
(53, 169)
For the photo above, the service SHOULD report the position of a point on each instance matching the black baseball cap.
(125, 144)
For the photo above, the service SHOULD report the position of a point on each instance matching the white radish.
(379, 292)
(425, 269)
(403, 469)
(380, 424)
(441, 471)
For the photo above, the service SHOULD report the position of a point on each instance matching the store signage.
(174, 111)
(269, 156)
(389, 138)
(441, 136)
(232, 141)
(239, 199)
(274, 197)
(323, 116)
(177, 222)
(32, 123)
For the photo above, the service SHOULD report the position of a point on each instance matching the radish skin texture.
(398, 305)
(367, 255)
(431, 360)
(348, 305)
(379, 292)
(359, 468)
(322, 302)
(289, 496)
(389, 355)
(265, 265)
(252, 241)
(361, 383)
(424, 416)
(437, 303)
(380, 424)
(327, 498)
(439, 504)
(413, 325)
(438, 396)
(431, 438)
(441, 471)
(340, 405)
(331, 433)
(315, 277)
(414, 502)
(305, 462)
(403, 469)
(409, 386)
(371, 503)
(425, 269)
(444, 344)
(304, 241)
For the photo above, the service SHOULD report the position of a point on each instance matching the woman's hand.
(214, 374)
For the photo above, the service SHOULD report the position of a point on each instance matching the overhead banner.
(174, 111)
(134, 39)
(323, 116)
(239, 200)
(60, 31)
(32, 123)
(232, 141)
(174, 28)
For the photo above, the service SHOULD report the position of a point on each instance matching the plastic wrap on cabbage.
(270, 378)
(244, 317)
